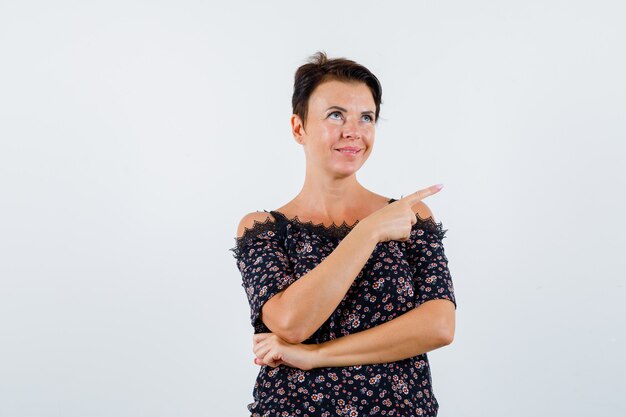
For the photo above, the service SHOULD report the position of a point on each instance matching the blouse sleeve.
(264, 266)
(428, 262)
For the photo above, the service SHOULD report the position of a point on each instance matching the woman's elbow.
(447, 332)
(447, 327)
(283, 321)
(291, 337)
(447, 337)
(287, 334)
(279, 322)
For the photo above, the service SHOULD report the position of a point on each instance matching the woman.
(348, 290)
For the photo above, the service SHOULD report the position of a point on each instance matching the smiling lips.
(349, 150)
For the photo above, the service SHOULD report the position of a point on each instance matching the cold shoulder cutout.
(269, 227)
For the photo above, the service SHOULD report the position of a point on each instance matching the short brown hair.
(320, 69)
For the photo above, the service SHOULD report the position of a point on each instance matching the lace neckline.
(340, 231)
(333, 229)
(427, 224)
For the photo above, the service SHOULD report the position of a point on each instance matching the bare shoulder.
(423, 211)
(248, 221)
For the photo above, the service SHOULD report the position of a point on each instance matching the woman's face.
(341, 114)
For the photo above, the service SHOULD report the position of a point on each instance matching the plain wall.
(134, 135)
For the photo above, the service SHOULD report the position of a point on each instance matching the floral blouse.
(399, 276)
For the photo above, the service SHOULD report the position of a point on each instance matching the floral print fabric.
(398, 277)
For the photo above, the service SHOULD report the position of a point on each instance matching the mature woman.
(348, 289)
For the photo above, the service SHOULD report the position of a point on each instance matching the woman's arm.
(300, 309)
(425, 328)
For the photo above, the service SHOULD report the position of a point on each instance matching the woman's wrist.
(314, 359)
(366, 231)
(318, 359)
(323, 354)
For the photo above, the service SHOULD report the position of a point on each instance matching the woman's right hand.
(395, 221)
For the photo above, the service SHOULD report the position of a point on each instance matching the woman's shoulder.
(254, 228)
(426, 222)
(423, 212)
(251, 220)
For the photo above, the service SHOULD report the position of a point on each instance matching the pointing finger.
(413, 198)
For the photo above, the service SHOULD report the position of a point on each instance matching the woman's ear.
(297, 129)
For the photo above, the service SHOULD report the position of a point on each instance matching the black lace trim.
(429, 225)
(269, 226)
(272, 227)
(334, 230)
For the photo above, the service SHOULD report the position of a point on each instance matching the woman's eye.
(369, 118)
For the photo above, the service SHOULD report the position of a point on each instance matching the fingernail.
(439, 186)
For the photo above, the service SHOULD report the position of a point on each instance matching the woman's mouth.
(349, 151)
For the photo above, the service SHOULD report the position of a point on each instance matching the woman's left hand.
(273, 351)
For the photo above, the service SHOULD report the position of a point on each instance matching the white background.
(136, 134)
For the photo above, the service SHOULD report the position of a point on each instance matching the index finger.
(413, 198)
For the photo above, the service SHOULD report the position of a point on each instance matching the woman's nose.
(351, 129)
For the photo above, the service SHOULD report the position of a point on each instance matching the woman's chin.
(346, 169)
